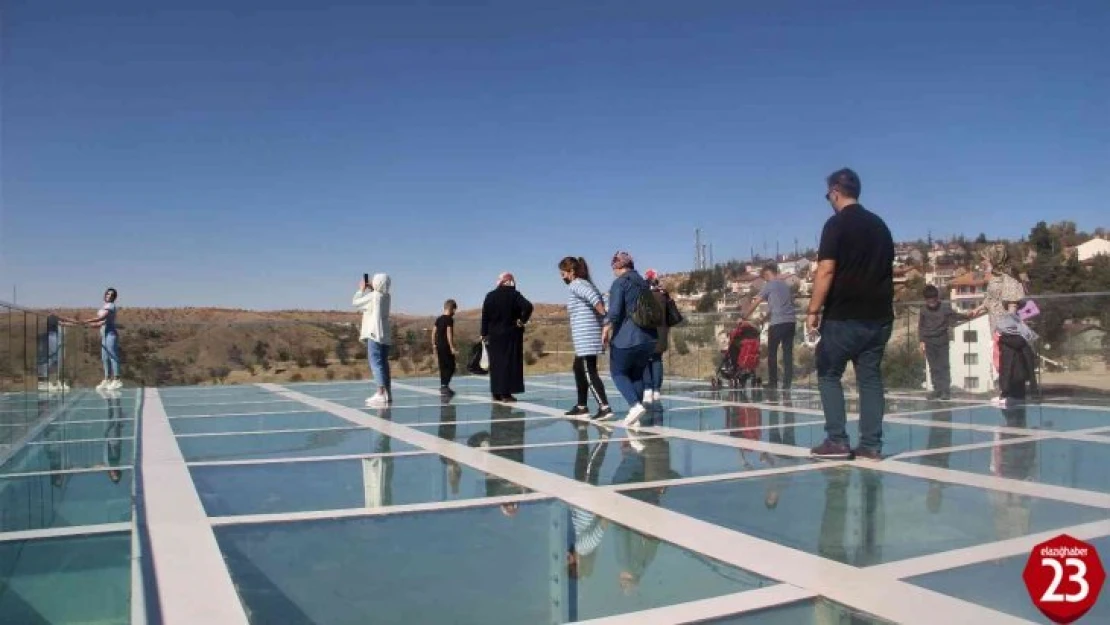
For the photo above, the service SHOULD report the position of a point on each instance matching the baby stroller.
(740, 361)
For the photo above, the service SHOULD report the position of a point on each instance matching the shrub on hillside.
(319, 357)
(296, 377)
(330, 374)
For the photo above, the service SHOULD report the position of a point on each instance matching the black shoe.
(829, 450)
(867, 454)
(932, 395)
(603, 414)
(945, 397)
(577, 411)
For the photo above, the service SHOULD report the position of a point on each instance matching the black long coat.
(503, 309)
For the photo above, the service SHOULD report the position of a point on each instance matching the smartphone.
(366, 279)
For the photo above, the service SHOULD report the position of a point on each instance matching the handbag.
(1029, 310)
(674, 317)
(478, 362)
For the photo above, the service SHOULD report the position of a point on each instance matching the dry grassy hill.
(173, 346)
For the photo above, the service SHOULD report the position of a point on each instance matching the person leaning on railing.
(105, 319)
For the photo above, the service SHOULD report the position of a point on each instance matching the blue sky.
(267, 154)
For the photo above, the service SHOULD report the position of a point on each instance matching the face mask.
(566, 280)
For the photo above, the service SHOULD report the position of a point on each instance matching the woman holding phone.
(374, 299)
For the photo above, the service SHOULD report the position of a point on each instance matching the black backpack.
(649, 313)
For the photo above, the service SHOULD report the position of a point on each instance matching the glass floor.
(296, 504)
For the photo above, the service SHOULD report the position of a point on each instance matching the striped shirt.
(585, 323)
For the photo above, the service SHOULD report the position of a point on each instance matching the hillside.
(164, 346)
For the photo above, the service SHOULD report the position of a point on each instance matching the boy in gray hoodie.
(936, 319)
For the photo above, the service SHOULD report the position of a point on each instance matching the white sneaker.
(104, 384)
(633, 418)
(656, 396)
(647, 397)
(43, 387)
(635, 442)
(378, 400)
(115, 385)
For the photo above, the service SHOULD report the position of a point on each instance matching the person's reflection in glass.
(505, 438)
(1016, 462)
(868, 518)
(113, 435)
(448, 416)
(643, 459)
(377, 471)
(940, 437)
(587, 529)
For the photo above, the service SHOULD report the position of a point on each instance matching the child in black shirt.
(443, 342)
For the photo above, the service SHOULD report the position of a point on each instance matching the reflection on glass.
(940, 437)
(377, 472)
(506, 429)
(448, 419)
(113, 434)
(868, 519)
(588, 529)
(1011, 510)
(484, 567)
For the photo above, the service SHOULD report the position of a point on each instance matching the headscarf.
(999, 258)
(506, 279)
(622, 260)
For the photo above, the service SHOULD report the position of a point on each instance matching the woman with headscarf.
(504, 313)
(631, 345)
(1014, 363)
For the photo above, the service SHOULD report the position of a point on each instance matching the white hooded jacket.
(375, 310)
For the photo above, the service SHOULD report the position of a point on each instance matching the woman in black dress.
(504, 314)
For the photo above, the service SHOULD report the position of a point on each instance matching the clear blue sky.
(266, 155)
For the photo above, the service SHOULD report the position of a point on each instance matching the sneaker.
(43, 387)
(633, 418)
(577, 411)
(603, 414)
(635, 442)
(656, 396)
(831, 451)
(998, 401)
(103, 385)
(944, 397)
(867, 454)
(377, 400)
(647, 397)
(115, 385)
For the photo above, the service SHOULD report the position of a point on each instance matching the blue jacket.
(623, 295)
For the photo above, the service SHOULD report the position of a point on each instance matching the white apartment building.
(968, 291)
(969, 357)
(1095, 247)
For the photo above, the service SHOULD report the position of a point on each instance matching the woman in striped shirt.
(586, 311)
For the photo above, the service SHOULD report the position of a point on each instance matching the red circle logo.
(1064, 576)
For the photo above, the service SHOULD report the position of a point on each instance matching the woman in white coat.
(373, 299)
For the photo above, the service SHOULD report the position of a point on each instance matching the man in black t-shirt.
(855, 287)
(443, 341)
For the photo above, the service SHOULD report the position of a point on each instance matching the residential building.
(1095, 247)
(970, 353)
(968, 291)
(940, 274)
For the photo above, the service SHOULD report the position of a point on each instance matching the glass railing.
(41, 365)
(1072, 351)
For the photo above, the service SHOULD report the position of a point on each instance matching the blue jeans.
(653, 373)
(50, 353)
(627, 366)
(109, 354)
(378, 355)
(862, 343)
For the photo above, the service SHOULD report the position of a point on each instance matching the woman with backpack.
(631, 333)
